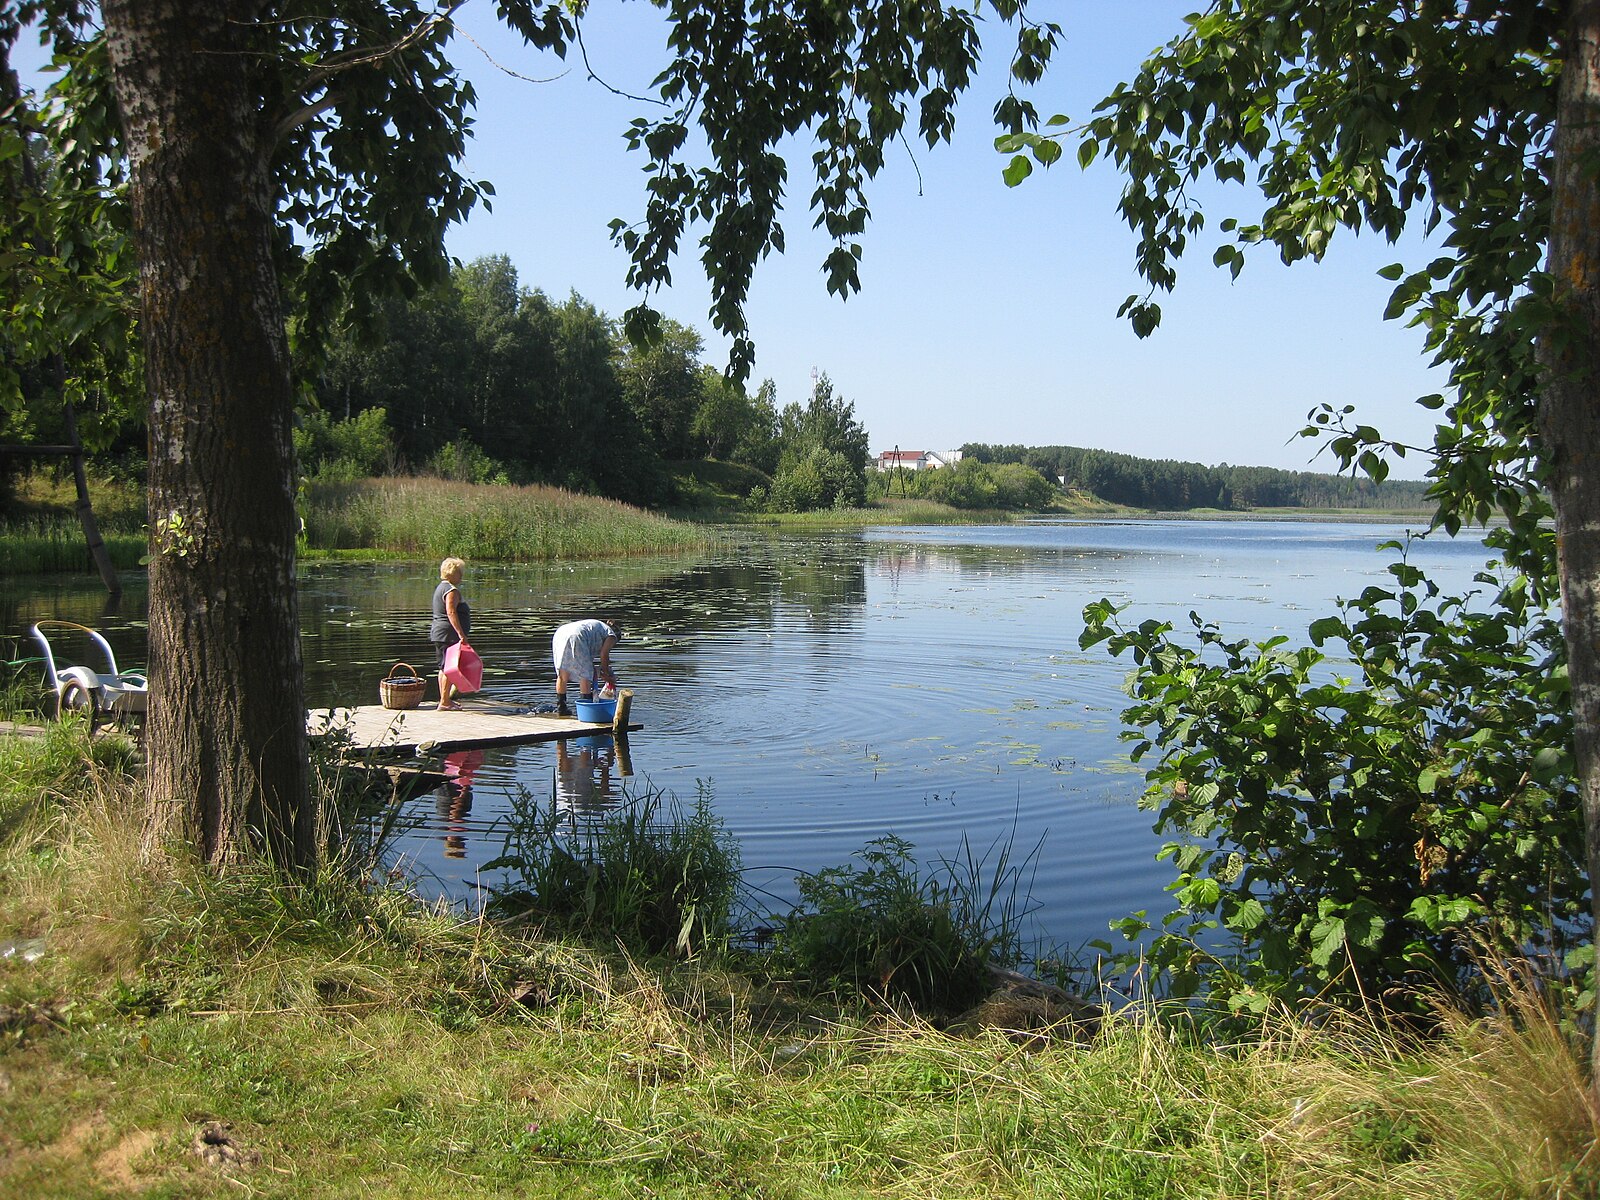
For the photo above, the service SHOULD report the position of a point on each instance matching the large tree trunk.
(1569, 414)
(227, 743)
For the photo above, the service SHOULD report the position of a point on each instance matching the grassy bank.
(400, 517)
(429, 518)
(56, 544)
(167, 1033)
(40, 532)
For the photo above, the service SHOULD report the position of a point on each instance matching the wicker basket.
(402, 690)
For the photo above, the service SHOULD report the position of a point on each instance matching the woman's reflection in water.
(583, 787)
(453, 800)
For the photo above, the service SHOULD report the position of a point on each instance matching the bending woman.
(582, 651)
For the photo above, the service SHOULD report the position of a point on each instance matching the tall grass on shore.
(324, 1037)
(41, 533)
(895, 930)
(651, 873)
(47, 545)
(428, 518)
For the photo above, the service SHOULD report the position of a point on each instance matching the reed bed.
(47, 545)
(429, 518)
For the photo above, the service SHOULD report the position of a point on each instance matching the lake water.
(826, 690)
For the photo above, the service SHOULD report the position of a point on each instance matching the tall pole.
(91, 527)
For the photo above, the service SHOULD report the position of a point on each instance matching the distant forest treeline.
(485, 380)
(1164, 483)
(482, 379)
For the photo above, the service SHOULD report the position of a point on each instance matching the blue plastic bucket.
(597, 710)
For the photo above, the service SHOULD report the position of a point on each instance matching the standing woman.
(452, 621)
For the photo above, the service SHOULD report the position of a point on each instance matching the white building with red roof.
(916, 460)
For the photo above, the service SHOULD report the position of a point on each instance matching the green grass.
(429, 518)
(363, 521)
(47, 545)
(358, 1043)
(709, 489)
(119, 504)
(39, 773)
(40, 532)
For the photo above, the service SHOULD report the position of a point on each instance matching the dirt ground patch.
(116, 1165)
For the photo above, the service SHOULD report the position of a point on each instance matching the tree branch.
(336, 64)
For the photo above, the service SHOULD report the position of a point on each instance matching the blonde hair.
(450, 566)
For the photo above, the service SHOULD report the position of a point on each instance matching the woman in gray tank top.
(452, 621)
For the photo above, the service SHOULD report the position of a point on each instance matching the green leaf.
(1017, 170)
(1248, 916)
(1327, 940)
(1324, 628)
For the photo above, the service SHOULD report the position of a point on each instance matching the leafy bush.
(358, 447)
(1017, 486)
(658, 878)
(822, 479)
(464, 462)
(971, 484)
(1355, 838)
(891, 932)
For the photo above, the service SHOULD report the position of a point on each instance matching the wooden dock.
(478, 723)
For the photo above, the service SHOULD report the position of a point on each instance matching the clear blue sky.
(987, 313)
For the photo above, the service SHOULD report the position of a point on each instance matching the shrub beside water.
(658, 877)
(427, 518)
(896, 931)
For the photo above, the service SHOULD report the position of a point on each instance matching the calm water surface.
(827, 690)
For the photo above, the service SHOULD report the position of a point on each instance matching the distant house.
(917, 460)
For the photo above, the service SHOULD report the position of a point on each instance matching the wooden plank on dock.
(478, 723)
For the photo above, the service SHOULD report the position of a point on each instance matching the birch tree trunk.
(227, 744)
(1569, 415)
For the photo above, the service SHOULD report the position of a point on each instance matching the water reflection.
(584, 787)
(453, 800)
